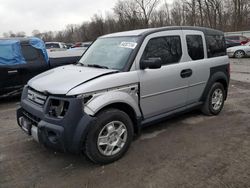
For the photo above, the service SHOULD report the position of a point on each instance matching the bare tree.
(226, 15)
(128, 14)
(161, 17)
(177, 13)
(200, 5)
(36, 33)
(190, 11)
(146, 8)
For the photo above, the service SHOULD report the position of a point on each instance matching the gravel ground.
(240, 69)
(191, 150)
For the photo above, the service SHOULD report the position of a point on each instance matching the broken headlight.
(57, 108)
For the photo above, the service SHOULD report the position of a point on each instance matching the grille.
(36, 97)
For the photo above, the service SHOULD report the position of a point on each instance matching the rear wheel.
(239, 54)
(110, 138)
(215, 100)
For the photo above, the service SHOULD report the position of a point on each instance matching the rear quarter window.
(216, 45)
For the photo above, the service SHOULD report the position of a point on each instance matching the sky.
(48, 15)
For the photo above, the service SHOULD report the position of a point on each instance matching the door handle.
(186, 73)
(12, 71)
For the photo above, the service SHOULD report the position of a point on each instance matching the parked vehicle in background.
(231, 43)
(239, 51)
(69, 45)
(72, 54)
(82, 44)
(238, 39)
(123, 82)
(55, 46)
(20, 60)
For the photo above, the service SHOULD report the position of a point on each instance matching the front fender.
(100, 101)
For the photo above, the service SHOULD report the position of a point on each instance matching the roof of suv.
(145, 32)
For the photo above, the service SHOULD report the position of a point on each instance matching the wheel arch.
(220, 77)
(122, 100)
(128, 109)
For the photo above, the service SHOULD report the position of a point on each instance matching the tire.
(239, 54)
(213, 105)
(113, 128)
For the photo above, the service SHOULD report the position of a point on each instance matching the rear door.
(199, 64)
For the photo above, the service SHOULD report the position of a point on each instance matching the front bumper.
(230, 54)
(65, 134)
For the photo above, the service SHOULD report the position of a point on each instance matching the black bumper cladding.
(64, 134)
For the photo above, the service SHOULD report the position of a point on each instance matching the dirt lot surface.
(188, 151)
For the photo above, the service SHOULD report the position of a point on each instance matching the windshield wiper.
(78, 63)
(92, 65)
(96, 66)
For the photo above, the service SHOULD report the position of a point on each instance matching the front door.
(164, 89)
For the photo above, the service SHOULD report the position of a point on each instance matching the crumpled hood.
(62, 79)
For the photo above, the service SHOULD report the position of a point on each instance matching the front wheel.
(239, 54)
(215, 100)
(109, 139)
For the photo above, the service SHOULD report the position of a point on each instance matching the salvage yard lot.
(191, 150)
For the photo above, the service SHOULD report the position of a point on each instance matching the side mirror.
(151, 63)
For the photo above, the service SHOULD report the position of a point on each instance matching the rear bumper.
(66, 134)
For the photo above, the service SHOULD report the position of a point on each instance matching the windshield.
(112, 53)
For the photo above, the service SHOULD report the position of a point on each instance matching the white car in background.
(239, 51)
(72, 52)
(55, 46)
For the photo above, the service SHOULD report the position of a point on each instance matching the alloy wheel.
(112, 138)
(217, 99)
(239, 54)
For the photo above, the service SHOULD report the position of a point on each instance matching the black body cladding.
(217, 74)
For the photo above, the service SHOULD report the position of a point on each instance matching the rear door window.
(195, 46)
(167, 48)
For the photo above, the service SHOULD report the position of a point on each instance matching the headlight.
(58, 108)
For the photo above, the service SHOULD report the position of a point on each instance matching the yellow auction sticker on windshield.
(130, 45)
